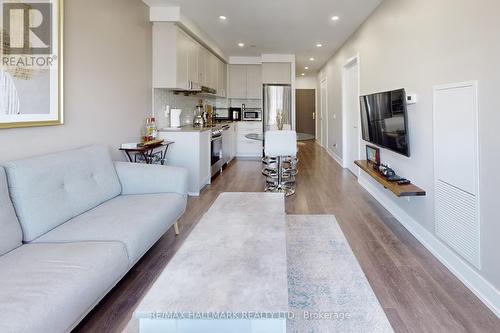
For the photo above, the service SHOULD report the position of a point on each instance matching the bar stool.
(280, 151)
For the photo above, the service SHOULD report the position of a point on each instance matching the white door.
(324, 114)
(350, 90)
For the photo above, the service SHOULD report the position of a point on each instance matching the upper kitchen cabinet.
(221, 78)
(254, 81)
(277, 73)
(237, 81)
(202, 65)
(245, 81)
(171, 49)
(180, 62)
(212, 71)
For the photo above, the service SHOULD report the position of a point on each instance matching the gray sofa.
(71, 225)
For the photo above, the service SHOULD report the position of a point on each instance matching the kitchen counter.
(190, 128)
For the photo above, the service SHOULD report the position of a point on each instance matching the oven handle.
(216, 138)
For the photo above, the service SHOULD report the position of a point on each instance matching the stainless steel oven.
(252, 114)
(216, 151)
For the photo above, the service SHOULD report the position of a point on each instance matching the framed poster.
(31, 68)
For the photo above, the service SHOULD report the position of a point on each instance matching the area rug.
(327, 290)
(319, 280)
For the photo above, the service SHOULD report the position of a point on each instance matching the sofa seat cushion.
(50, 287)
(137, 221)
(10, 230)
(49, 190)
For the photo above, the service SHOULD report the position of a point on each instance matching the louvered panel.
(457, 221)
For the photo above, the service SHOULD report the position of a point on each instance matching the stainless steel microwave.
(252, 114)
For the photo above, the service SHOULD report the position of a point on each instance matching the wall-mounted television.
(384, 120)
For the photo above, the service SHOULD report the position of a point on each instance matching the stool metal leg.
(277, 182)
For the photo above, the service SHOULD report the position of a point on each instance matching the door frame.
(345, 116)
(324, 114)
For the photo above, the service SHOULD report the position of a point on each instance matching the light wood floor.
(417, 293)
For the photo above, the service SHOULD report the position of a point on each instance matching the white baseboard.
(484, 290)
(335, 157)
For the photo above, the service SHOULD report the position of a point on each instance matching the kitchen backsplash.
(164, 97)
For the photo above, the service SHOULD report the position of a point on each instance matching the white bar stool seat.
(281, 146)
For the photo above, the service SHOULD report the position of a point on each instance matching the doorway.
(323, 117)
(351, 114)
(305, 100)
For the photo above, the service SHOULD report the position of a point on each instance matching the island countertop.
(190, 128)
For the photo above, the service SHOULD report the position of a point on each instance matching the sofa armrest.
(150, 179)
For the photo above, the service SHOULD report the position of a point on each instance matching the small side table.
(148, 152)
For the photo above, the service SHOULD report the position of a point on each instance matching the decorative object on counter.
(151, 152)
(151, 132)
(199, 115)
(373, 156)
(281, 161)
(210, 114)
(279, 120)
(175, 118)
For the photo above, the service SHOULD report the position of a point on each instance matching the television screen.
(384, 120)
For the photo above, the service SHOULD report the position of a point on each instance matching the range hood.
(195, 89)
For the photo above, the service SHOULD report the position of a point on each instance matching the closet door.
(456, 169)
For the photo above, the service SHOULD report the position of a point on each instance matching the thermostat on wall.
(411, 98)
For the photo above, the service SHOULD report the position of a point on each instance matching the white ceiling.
(277, 26)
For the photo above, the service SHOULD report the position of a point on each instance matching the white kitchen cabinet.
(221, 78)
(202, 65)
(190, 150)
(246, 148)
(237, 81)
(277, 73)
(212, 71)
(254, 81)
(245, 81)
(193, 55)
(229, 143)
(170, 64)
(180, 62)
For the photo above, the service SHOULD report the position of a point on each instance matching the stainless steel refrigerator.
(277, 98)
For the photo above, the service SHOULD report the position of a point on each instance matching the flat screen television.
(384, 120)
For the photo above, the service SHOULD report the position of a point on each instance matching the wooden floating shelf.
(409, 190)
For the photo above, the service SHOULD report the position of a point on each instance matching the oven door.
(216, 154)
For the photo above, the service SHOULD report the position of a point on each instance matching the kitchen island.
(191, 151)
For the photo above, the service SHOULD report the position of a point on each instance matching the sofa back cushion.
(49, 190)
(10, 230)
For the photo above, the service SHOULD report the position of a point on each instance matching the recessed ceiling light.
(311, 59)
(335, 18)
(306, 68)
(241, 44)
(303, 74)
(222, 17)
(319, 45)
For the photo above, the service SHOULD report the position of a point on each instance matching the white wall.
(306, 82)
(107, 81)
(415, 45)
